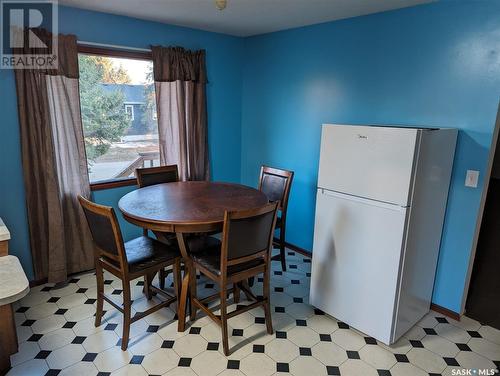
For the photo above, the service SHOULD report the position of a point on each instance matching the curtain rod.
(113, 46)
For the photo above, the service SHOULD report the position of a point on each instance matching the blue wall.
(224, 54)
(431, 65)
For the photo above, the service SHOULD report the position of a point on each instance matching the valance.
(178, 64)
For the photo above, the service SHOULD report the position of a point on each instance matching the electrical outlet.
(472, 178)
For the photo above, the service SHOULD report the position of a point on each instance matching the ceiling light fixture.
(221, 4)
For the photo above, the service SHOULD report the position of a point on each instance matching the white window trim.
(127, 106)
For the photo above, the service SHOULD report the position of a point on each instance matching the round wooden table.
(187, 207)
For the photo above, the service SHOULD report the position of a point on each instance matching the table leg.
(247, 290)
(182, 303)
(186, 281)
(163, 237)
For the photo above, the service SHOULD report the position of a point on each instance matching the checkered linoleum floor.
(57, 337)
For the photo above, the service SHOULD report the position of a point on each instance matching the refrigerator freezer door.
(356, 261)
(370, 162)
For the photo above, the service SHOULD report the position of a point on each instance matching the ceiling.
(242, 17)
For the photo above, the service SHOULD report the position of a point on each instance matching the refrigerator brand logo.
(362, 137)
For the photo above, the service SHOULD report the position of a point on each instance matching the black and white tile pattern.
(57, 337)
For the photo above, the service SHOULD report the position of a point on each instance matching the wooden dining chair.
(140, 257)
(245, 252)
(275, 184)
(158, 175)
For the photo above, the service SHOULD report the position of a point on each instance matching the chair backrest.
(156, 175)
(275, 184)
(247, 234)
(105, 230)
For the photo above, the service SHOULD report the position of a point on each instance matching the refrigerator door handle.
(366, 201)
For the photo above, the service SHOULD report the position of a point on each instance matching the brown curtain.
(54, 164)
(180, 84)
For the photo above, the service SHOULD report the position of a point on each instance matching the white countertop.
(13, 282)
(4, 232)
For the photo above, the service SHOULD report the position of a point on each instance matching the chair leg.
(251, 281)
(148, 280)
(267, 305)
(192, 294)
(176, 271)
(100, 294)
(236, 293)
(282, 249)
(162, 275)
(282, 257)
(223, 319)
(127, 311)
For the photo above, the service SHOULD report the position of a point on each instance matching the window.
(118, 101)
(129, 110)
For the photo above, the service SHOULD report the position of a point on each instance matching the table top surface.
(185, 203)
(13, 282)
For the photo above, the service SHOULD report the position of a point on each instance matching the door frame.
(479, 220)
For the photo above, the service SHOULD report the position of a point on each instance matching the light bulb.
(221, 4)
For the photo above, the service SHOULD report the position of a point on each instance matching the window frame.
(132, 114)
(124, 54)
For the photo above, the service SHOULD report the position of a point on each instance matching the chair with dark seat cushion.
(140, 257)
(156, 175)
(275, 184)
(211, 261)
(245, 252)
(201, 242)
(144, 251)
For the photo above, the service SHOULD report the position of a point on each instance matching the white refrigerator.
(380, 208)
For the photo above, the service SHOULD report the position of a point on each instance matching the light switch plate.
(472, 178)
